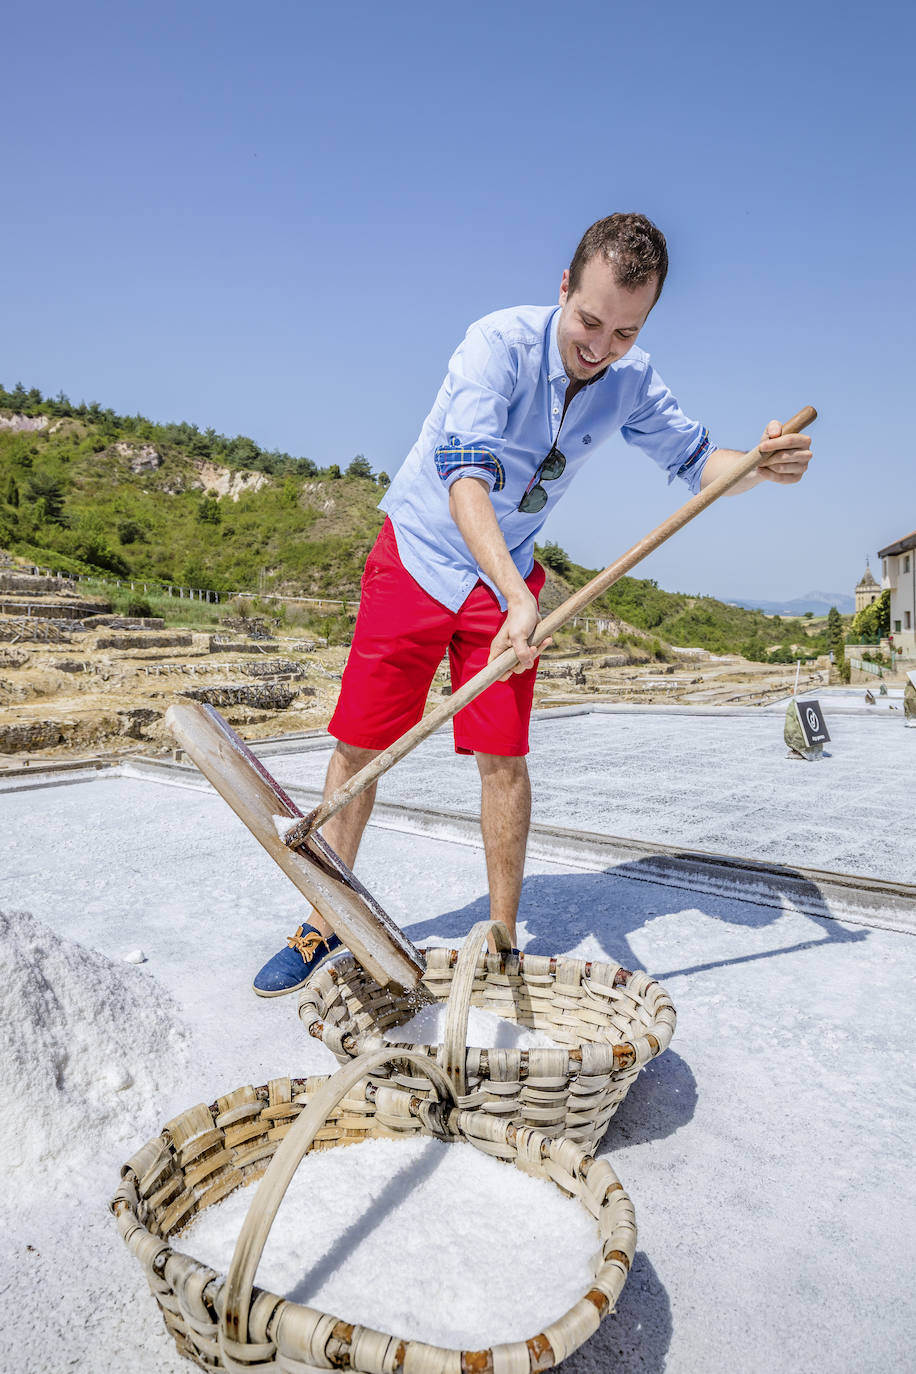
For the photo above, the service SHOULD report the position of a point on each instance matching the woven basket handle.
(262, 1213)
(453, 1054)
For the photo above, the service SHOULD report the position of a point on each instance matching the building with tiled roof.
(898, 570)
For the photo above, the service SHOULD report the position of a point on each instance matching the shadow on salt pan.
(639, 1333)
(597, 915)
(594, 914)
(386, 1204)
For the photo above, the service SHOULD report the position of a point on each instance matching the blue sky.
(279, 220)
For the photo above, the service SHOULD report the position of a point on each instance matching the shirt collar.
(556, 372)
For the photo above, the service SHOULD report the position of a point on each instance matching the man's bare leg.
(505, 815)
(344, 831)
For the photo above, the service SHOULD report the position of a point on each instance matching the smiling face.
(600, 319)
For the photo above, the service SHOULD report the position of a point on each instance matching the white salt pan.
(433, 1242)
(486, 1030)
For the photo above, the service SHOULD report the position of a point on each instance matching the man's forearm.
(723, 460)
(783, 458)
(472, 511)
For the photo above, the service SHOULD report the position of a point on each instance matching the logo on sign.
(812, 723)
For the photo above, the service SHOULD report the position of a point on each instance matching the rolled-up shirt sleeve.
(657, 425)
(478, 389)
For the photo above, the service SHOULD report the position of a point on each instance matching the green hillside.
(95, 492)
(701, 621)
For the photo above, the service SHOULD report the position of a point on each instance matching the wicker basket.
(207, 1152)
(610, 1022)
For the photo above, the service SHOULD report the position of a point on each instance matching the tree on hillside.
(46, 488)
(837, 644)
(360, 467)
(383, 479)
(11, 494)
(242, 451)
(131, 532)
(552, 556)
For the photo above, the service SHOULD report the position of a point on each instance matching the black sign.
(811, 720)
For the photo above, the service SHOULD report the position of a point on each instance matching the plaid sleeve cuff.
(699, 455)
(454, 460)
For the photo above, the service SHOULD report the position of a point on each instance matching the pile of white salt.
(425, 1240)
(87, 1048)
(486, 1030)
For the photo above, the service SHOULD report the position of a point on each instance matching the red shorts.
(400, 638)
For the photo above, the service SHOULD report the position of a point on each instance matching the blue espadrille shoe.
(290, 970)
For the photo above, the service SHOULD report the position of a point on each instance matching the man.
(527, 394)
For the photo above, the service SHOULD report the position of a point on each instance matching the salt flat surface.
(768, 1152)
(846, 699)
(424, 1197)
(718, 783)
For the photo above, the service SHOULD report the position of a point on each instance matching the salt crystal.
(118, 1078)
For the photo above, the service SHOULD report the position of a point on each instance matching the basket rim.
(613, 1270)
(623, 1054)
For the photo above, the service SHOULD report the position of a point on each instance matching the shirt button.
(556, 410)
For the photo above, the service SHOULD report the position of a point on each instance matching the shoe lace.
(306, 945)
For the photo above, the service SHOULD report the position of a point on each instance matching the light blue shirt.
(496, 417)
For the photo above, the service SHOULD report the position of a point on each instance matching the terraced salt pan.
(718, 783)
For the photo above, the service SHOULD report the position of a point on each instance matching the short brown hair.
(631, 244)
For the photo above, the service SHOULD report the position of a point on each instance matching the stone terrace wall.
(144, 641)
(55, 610)
(268, 696)
(43, 734)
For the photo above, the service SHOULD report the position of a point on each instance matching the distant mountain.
(818, 603)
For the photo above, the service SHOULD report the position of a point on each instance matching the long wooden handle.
(543, 630)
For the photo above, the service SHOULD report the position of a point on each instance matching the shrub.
(360, 467)
(130, 532)
(552, 556)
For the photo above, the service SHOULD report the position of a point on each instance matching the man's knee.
(351, 758)
(507, 769)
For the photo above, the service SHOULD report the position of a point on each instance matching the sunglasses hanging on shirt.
(554, 465)
(548, 470)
